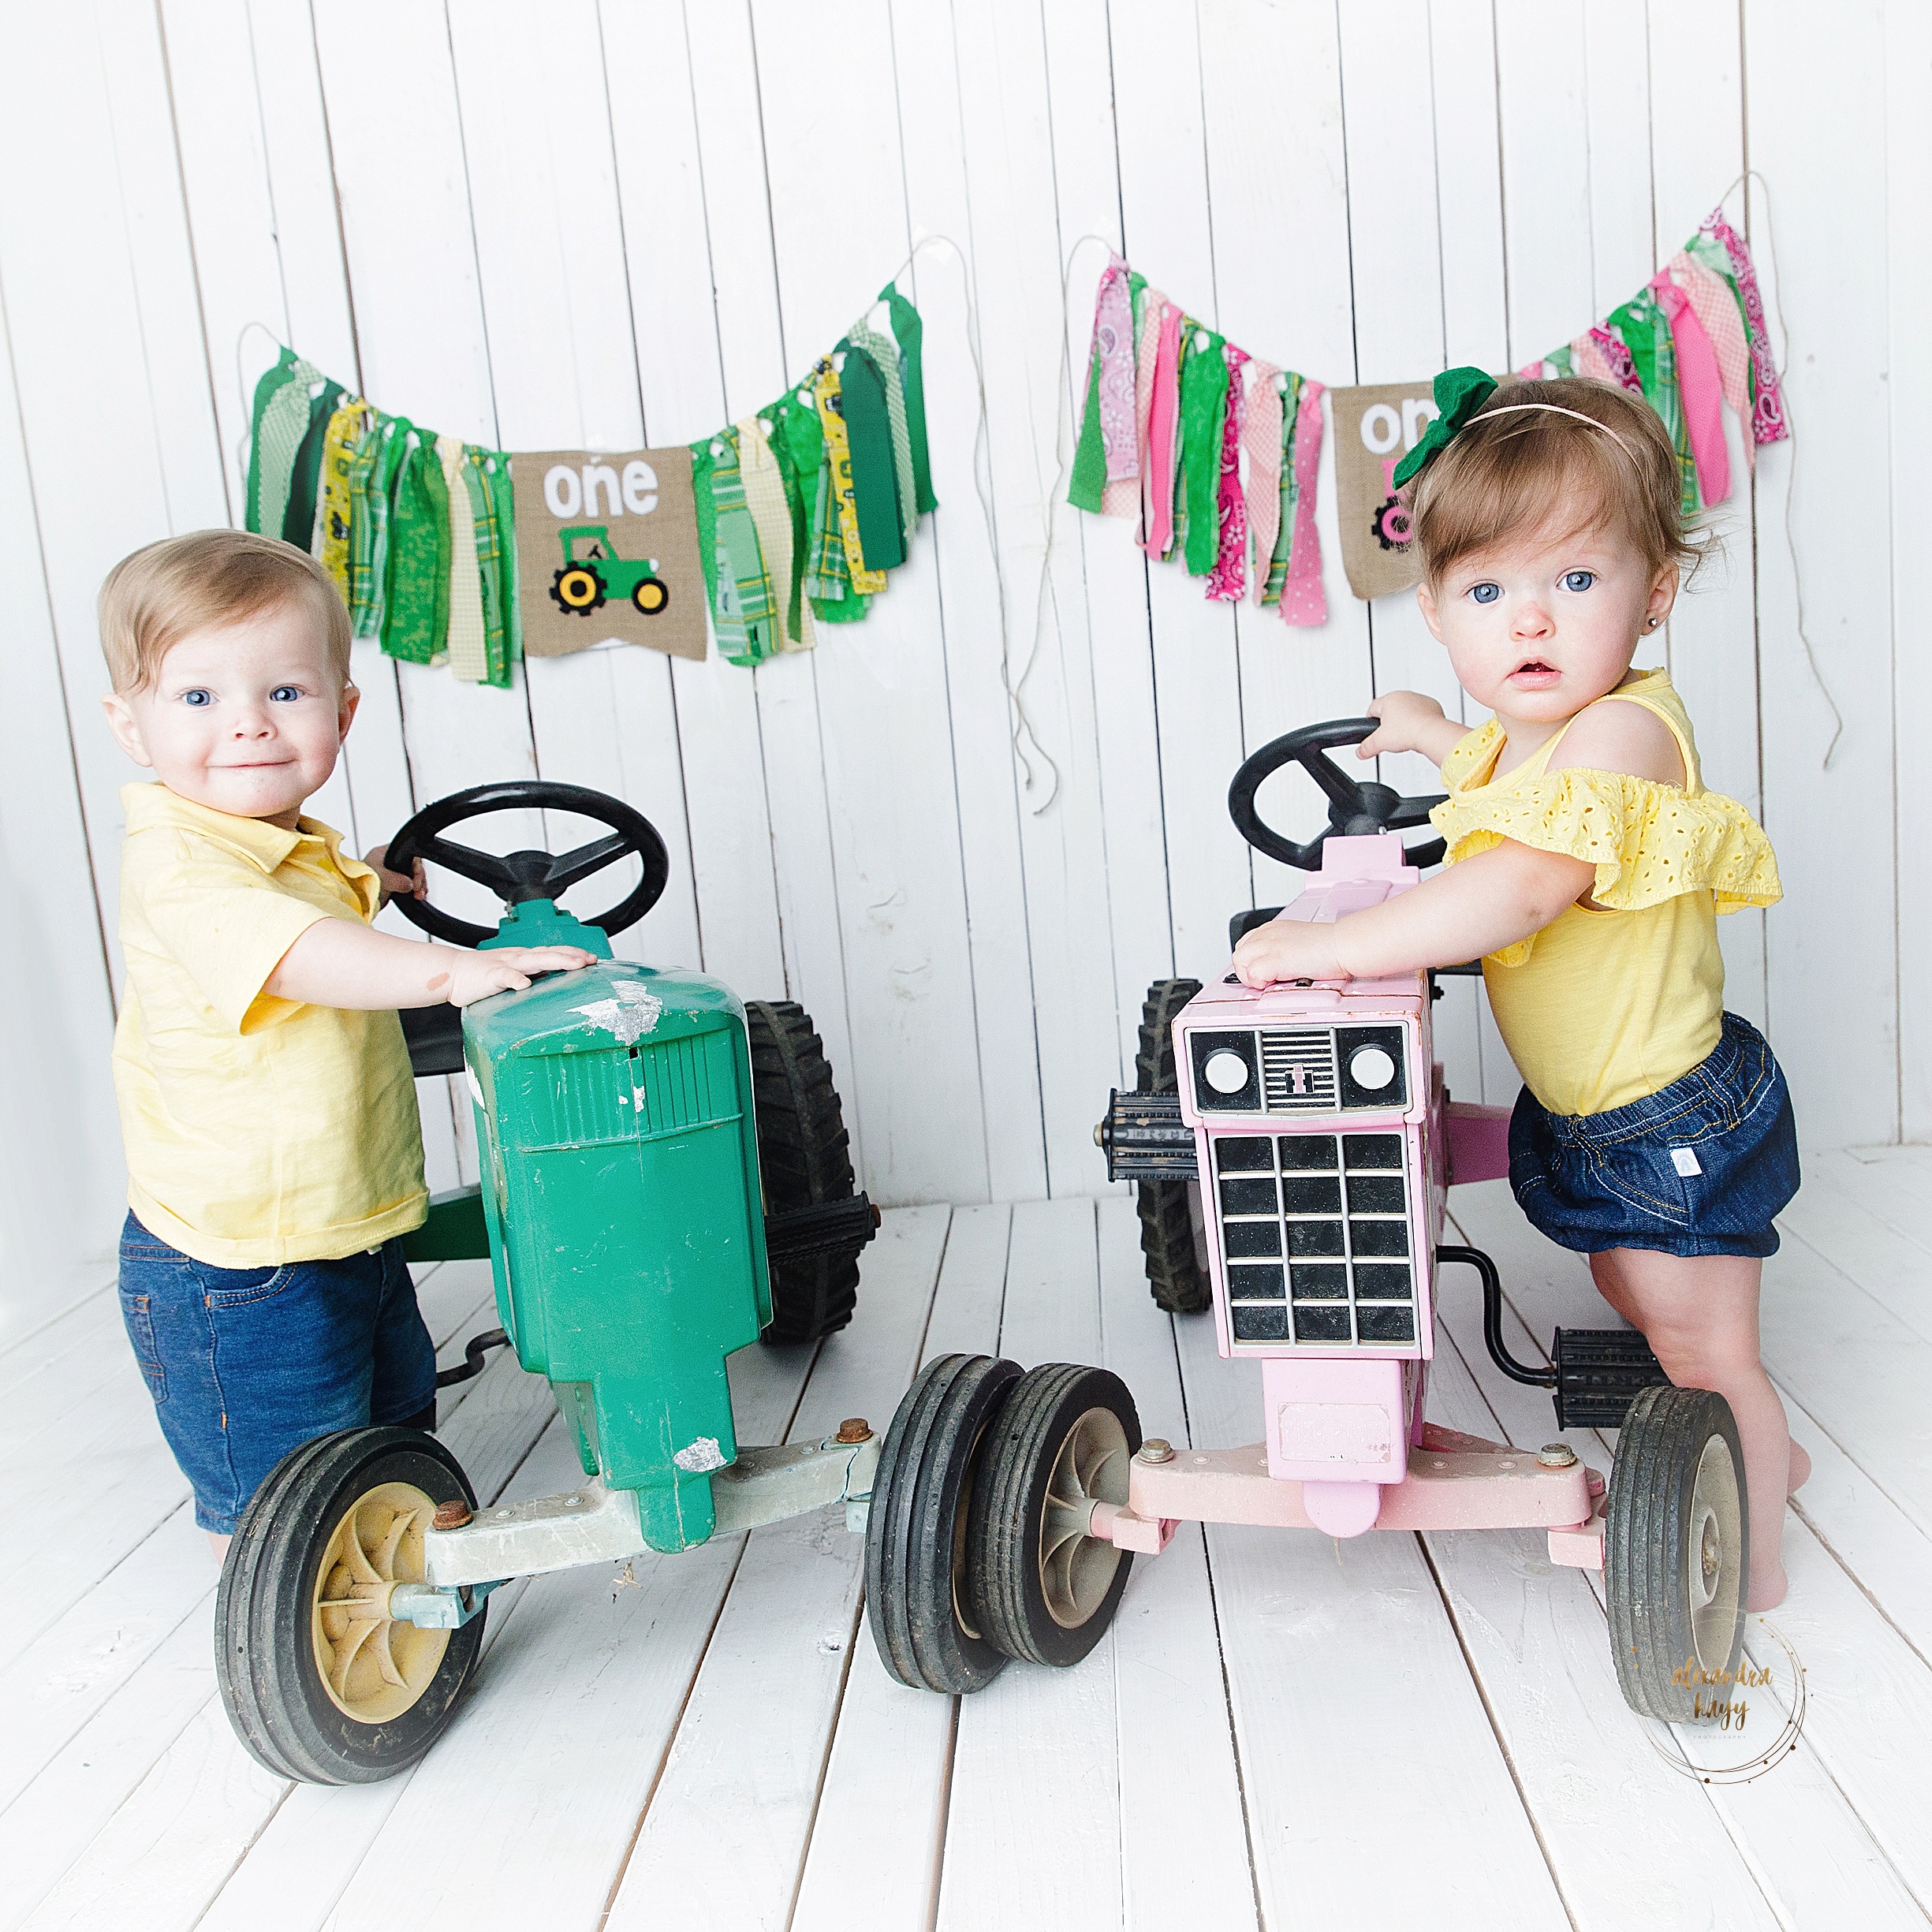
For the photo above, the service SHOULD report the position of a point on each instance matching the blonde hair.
(153, 599)
(1527, 459)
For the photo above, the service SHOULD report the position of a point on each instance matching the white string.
(1791, 467)
(1022, 736)
(241, 391)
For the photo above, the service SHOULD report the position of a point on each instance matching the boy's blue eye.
(1484, 593)
(1578, 580)
(198, 698)
(284, 693)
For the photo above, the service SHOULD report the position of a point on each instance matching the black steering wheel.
(519, 876)
(1356, 807)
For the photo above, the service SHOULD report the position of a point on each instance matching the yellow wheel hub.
(577, 587)
(374, 1667)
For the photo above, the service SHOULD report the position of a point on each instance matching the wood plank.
(892, 1749)
(563, 368)
(1166, 216)
(776, 1664)
(668, 267)
(878, 703)
(757, 360)
(1038, 1744)
(1302, 1615)
(1180, 1785)
(1842, 1057)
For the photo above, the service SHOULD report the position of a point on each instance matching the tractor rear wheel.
(804, 1159)
(577, 590)
(1170, 1210)
(319, 1683)
(1044, 1589)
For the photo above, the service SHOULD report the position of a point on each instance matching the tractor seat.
(434, 1037)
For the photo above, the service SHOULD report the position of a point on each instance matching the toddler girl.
(1586, 866)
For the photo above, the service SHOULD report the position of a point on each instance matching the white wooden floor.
(1281, 1730)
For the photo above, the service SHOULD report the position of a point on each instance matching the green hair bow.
(1459, 393)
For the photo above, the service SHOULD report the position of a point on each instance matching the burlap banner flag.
(607, 547)
(1374, 428)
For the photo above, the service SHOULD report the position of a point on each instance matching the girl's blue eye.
(1578, 580)
(198, 698)
(1484, 593)
(284, 693)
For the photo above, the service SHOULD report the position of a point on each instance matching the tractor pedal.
(1145, 1139)
(1600, 1372)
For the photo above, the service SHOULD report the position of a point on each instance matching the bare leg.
(1700, 1316)
(219, 1544)
(1603, 1269)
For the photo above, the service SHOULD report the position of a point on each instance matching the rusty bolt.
(452, 1515)
(854, 1429)
(1556, 1455)
(1157, 1449)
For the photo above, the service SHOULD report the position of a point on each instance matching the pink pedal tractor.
(1293, 1148)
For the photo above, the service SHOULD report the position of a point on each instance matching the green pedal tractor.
(592, 573)
(665, 1179)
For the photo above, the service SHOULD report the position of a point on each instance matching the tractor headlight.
(1226, 1073)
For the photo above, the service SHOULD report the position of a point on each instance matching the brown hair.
(153, 599)
(1504, 476)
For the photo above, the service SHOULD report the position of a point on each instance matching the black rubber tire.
(265, 1660)
(1008, 1505)
(650, 596)
(1175, 1277)
(917, 1602)
(1648, 1563)
(804, 1158)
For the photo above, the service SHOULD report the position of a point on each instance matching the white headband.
(1557, 408)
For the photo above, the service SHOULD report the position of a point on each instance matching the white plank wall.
(601, 224)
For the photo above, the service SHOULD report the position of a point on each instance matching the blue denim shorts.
(1698, 1168)
(245, 1364)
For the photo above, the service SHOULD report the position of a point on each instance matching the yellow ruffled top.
(1615, 1000)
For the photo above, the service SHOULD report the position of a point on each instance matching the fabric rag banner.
(607, 547)
(790, 518)
(1215, 450)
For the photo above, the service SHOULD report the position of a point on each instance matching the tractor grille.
(1315, 1230)
(1298, 1069)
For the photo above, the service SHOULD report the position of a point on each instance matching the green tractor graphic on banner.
(592, 573)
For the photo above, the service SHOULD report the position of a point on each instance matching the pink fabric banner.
(1228, 578)
(1700, 387)
(1767, 421)
(1163, 417)
(1303, 604)
(1261, 437)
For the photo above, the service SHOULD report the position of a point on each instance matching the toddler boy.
(275, 1157)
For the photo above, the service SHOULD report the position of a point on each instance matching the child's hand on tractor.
(413, 885)
(1411, 721)
(1287, 949)
(502, 969)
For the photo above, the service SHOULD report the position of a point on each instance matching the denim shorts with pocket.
(1698, 1168)
(245, 1364)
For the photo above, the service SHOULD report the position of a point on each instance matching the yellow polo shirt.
(259, 1131)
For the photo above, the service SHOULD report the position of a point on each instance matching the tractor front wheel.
(1676, 1550)
(1044, 1591)
(318, 1681)
(919, 1591)
(651, 594)
(804, 1160)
